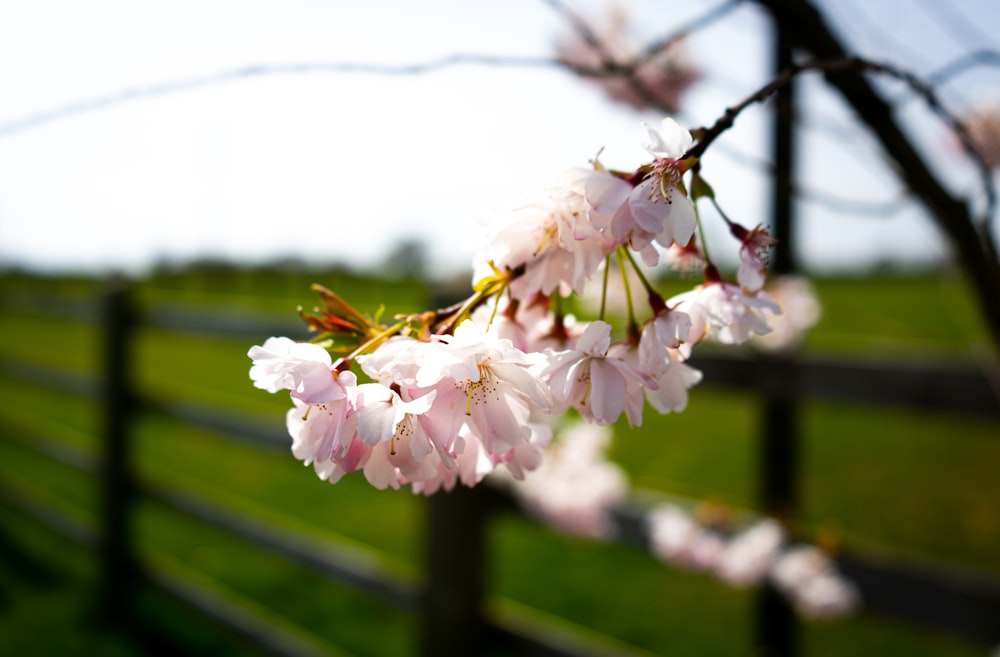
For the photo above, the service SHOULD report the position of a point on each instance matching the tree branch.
(976, 249)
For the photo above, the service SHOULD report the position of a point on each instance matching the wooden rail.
(451, 596)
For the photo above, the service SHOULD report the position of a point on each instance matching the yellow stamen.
(586, 393)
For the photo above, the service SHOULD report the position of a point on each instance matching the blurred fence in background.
(449, 602)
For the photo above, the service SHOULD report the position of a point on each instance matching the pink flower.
(807, 576)
(725, 311)
(302, 367)
(685, 259)
(663, 77)
(589, 379)
(575, 486)
(800, 308)
(749, 556)
(672, 376)
(485, 382)
(754, 248)
(553, 239)
(676, 538)
(653, 209)
(323, 430)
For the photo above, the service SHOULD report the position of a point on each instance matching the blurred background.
(173, 178)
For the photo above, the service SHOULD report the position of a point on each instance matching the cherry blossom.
(673, 377)
(482, 377)
(303, 368)
(808, 577)
(574, 487)
(754, 247)
(553, 239)
(748, 556)
(676, 538)
(590, 379)
(800, 311)
(447, 396)
(324, 430)
(725, 311)
(662, 78)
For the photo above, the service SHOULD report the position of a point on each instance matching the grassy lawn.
(907, 484)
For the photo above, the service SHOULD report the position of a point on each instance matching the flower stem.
(628, 288)
(638, 272)
(604, 288)
(376, 340)
(701, 233)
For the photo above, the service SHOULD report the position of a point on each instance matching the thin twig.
(268, 70)
(707, 136)
(697, 23)
(962, 64)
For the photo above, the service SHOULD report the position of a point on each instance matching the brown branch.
(629, 69)
(708, 135)
(976, 249)
(130, 94)
(681, 33)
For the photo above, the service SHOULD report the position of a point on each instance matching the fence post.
(452, 614)
(777, 627)
(116, 562)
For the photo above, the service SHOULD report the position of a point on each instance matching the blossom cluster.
(659, 80)
(575, 487)
(448, 395)
(576, 490)
(804, 573)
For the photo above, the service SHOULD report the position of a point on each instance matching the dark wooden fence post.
(453, 605)
(776, 623)
(116, 562)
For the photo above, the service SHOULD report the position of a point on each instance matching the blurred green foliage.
(907, 484)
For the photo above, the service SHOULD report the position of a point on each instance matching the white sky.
(337, 166)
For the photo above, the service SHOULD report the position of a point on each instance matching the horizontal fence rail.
(946, 599)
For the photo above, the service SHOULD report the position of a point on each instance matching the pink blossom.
(676, 538)
(553, 239)
(663, 78)
(529, 324)
(748, 556)
(685, 259)
(589, 379)
(302, 367)
(661, 354)
(575, 486)
(653, 209)
(725, 311)
(485, 382)
(673, 377)
(324, 430)
(800, 311)
(754, 249)
(807, 576)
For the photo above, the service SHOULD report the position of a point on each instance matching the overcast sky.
(330, 166)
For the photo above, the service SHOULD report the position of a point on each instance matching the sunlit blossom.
(676, 538)
(449, 395)
(590, 379)
(485, 380)
(553, 239)
(754, 252)
(748, 556)
(575, 486)
(303, 368)
(808, 577)
(724, 311)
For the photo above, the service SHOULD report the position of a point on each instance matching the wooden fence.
(449, 600)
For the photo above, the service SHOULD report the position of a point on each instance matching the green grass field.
(907, 484)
